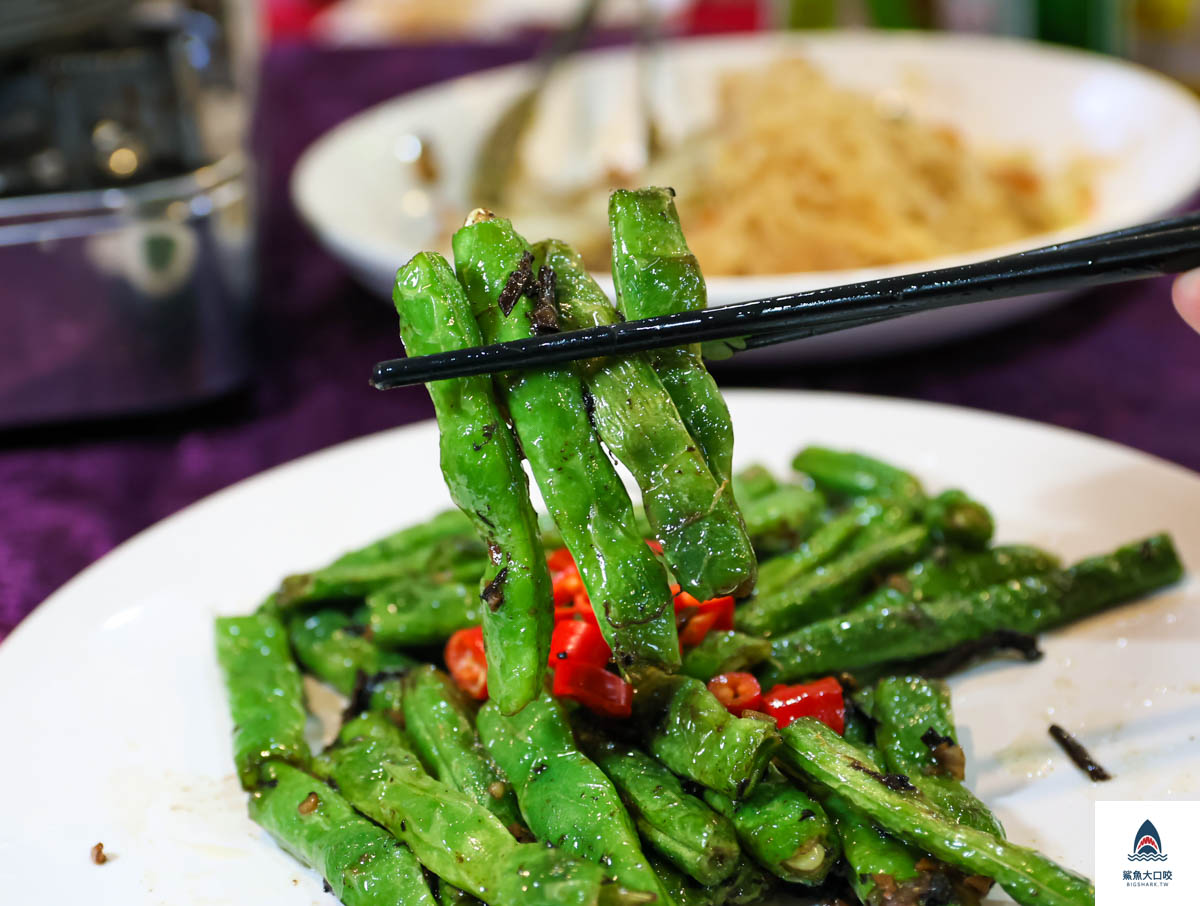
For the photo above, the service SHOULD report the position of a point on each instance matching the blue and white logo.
(1147, 845)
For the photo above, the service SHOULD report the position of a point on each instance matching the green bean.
(449, 895)
(451, 557)
(950, 573)
(448, 524)
(689, 512)
(781, 519)
(684, 830)
(694, 735)
(882, 870)
(565, 798)
(856, 475)
(625, 582)
(753, 482)
(483, 472)
(362, 863)
(783, 829)
(439, 722)
(331, 645)
(725, 652)
(955, 518)
(866, 637)
(826, 542)
(418, 613)
(655, 274)
(916, 736)
(266, 696)
(452, 835)
(830, 588)
(814, 750)
(748, 884)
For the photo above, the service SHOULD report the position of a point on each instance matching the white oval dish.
(117, 729)
(1060, 105)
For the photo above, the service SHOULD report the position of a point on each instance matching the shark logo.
(1147, 845)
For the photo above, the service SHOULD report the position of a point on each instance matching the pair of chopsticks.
(1149, 250)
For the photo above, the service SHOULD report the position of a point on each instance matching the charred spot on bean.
(517, 284)
(807, 813)
(897, 782)
(932, 739)
(1001, 641)
(544, 314)
(327, 886)
(493, 593)
(539, 768)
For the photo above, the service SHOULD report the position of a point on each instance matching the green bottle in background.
(1091, 24)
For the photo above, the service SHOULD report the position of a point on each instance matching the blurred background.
(181, 306)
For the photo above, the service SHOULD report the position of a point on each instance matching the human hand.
(1186, 293)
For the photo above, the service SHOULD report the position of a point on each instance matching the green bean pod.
(753, 482)
(869, 636)
(783, 829)
(449, 557)
(780, 572)
(690, 513)
(694, 735)
(418, 613)
(679, 826)
(955, 518)
(655, 273)
(449, 895)
(916, 736)
(449, 833)
(626, 583)
(483, 471)
(747, 885)
(565, 798)
(856, 475)
(362, 863)
(332, 646)
(438, 720)
(781, 519)
(1031, 879)
(449, 524)
(266, 695)
(831, 588)
(724, 652)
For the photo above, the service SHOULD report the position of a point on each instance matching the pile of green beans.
(847, 567)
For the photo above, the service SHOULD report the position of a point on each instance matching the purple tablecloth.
(1117, 363)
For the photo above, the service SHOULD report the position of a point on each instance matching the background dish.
(117, 729)
(1060, 105)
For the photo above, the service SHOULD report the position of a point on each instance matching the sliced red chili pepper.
(560, 560)
(821, 699)
(579, 642)
(594, 688)
(564, 576)
(466, 661)
(655, 546)
(695, 627)
(737, 691)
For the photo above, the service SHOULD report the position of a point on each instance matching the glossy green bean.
(266, 696)
(694, 735)
(689, 512)
(362, 863)
(724, 652)
(440, 724)
(683, 830)
(783, 829)
(331, 645)
(422, 613)
(625, 582)
(483, 471)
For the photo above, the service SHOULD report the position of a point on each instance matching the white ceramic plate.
(115, 721)
(367, 209)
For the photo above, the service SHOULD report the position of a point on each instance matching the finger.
(1186, 294)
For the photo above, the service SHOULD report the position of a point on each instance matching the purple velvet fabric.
(1117, 363)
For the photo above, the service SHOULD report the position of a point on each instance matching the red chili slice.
(579, 642)
(695, 619)
(737, 691)
(594, 688)
(655, 546)
(466, 661)
(821, 699)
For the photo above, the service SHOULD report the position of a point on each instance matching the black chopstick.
(1152, 249)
